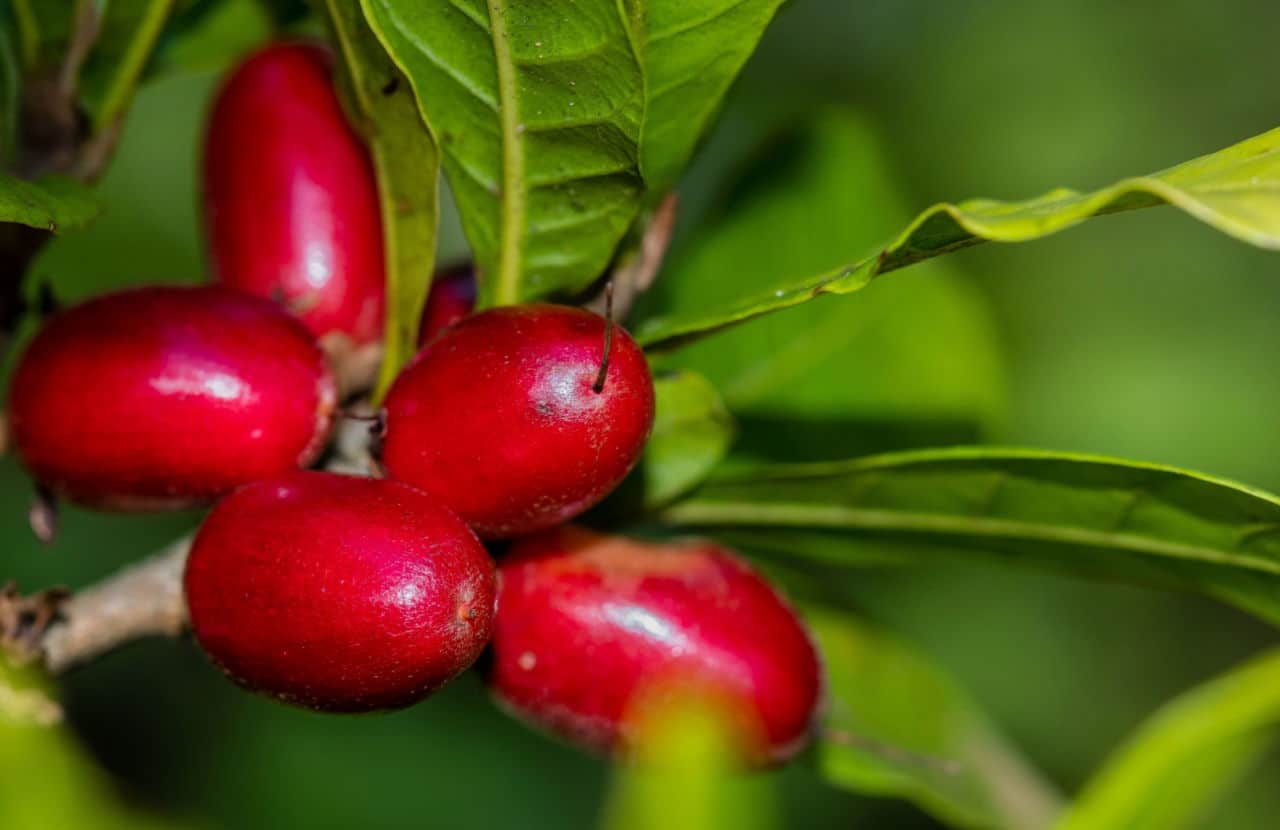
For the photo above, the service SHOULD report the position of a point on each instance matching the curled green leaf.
(1236, 190)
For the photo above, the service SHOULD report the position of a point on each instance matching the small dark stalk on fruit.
(497, 417)
(598, 386)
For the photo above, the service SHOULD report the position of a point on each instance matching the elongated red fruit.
(587, 622)
(290, 201)
(167, 397)
(339, 593)
(500, 417)
(452, 297)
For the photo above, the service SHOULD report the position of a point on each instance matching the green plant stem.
(28, 31)
(132, 64)
(507, 285)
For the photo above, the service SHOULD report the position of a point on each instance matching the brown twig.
(635, 274)
(143, 600)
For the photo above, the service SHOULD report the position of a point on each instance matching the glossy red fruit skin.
(452, 297)
(290, 200)
(339, 593)
(587, 622)
(498, 418)
(166, 397)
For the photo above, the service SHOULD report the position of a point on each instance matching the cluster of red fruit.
(346, 593)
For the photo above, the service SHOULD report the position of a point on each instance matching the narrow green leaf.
(11, 69)
(1097, 517)
(685, 774)
(537, 111)
(128, 33)
(407, 165)
(898, 725)
(1236, 190)
(45, 31)
(54, 203)
(914, 362)
(691, 51)
(692, 432)
(1172, 771)
(27, 30)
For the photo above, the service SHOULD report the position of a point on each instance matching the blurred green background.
(1144, 335)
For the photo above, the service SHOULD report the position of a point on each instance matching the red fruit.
(339, 593)
(290, 200)
(452, 297)
(586, 623)
(167, 396)
(498, 417)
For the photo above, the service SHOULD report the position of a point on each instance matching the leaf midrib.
(512, 196)
(836, 517)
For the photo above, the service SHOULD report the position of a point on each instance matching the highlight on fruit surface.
(167, 397)
(339, 593)
(499, 418)
(452, 297)
(290, 200)
(590, 627)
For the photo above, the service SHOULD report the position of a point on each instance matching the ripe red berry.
(168, 396)
(452, 297)
(290, 200)
(339, 593)
(587, 622)
(500, 417)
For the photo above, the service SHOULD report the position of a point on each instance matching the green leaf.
(692, 432)
(910, 731)
(691, 50)
(537, 109)
(1172, 771)
(686, 775)
(1236, 190)
(127, 34)
(1097, 517)
(407, 165)
(915, 361)
(54, 203)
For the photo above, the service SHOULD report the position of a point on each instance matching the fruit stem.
(598, 386)
(890, 752)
